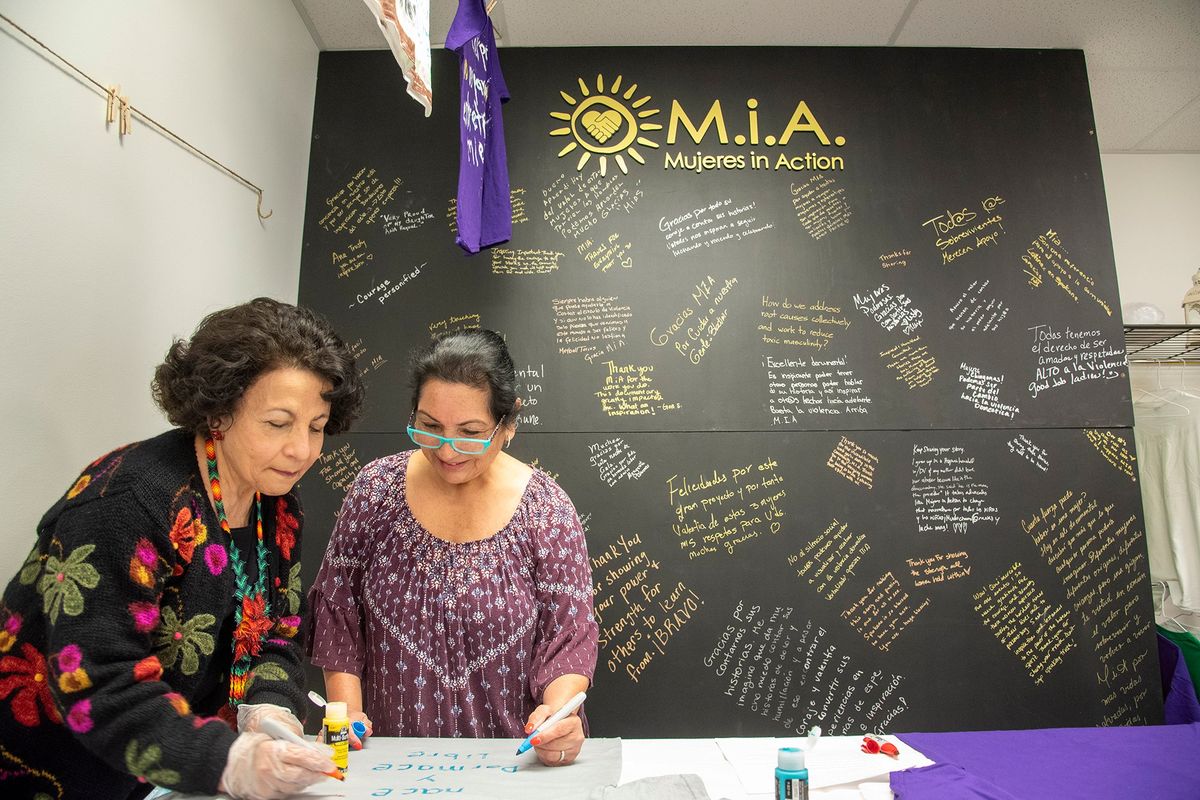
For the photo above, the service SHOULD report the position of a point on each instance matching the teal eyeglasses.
(463, 445)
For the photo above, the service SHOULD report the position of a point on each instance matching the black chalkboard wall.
(823, 343)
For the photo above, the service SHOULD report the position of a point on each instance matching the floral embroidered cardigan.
(110, 673)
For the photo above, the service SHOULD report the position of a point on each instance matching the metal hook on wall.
(261, 215)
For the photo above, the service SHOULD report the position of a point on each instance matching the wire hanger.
(1161, 611)
(1183, 389)
(1160, 395)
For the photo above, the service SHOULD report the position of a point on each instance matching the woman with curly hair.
(155, 624)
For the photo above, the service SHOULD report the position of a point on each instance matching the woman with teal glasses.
(455, 598)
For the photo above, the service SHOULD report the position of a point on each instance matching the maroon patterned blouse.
(452, 639)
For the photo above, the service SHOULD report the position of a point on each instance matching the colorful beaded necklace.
(251, 612)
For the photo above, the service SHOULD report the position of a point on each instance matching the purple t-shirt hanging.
(484, 206)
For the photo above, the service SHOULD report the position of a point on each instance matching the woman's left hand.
(558, 745)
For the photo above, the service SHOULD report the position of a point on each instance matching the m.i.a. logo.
(606, 122)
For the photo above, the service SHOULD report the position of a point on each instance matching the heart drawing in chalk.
(602, 124)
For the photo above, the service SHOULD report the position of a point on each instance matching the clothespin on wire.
(488, 8)
(126, 126)
(116, 109)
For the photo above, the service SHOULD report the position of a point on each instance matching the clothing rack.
(1157, 343)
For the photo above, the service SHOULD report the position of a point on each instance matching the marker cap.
(359, 728)
(790, 759)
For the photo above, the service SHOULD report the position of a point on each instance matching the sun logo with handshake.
(606, 121)
(602, 124)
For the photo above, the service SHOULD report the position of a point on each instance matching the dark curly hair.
(203, 379)
(476, 358)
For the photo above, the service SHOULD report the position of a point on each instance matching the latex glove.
(262, 768)
(250, 717)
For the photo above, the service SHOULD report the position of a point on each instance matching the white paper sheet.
(835, 761)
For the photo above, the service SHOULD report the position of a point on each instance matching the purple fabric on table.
(945, 782)
(1179, 693)
(484, 213)
(1141, 762)
(452, 639)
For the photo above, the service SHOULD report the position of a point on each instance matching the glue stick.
(791, 776)
(336, 726)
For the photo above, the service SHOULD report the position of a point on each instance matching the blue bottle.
(791, 776)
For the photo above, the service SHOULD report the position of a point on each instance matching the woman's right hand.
(355, 742)
(262, 768)
(358, 716)
(346, 687)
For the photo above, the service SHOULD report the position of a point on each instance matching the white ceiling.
(1143, 56)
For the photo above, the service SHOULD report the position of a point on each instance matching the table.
(736, 769)
(1143, 762)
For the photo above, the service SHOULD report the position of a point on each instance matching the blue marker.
(572, 704)
(360, 730)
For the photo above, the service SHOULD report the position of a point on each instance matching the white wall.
(1154, 210)
(110, 248)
